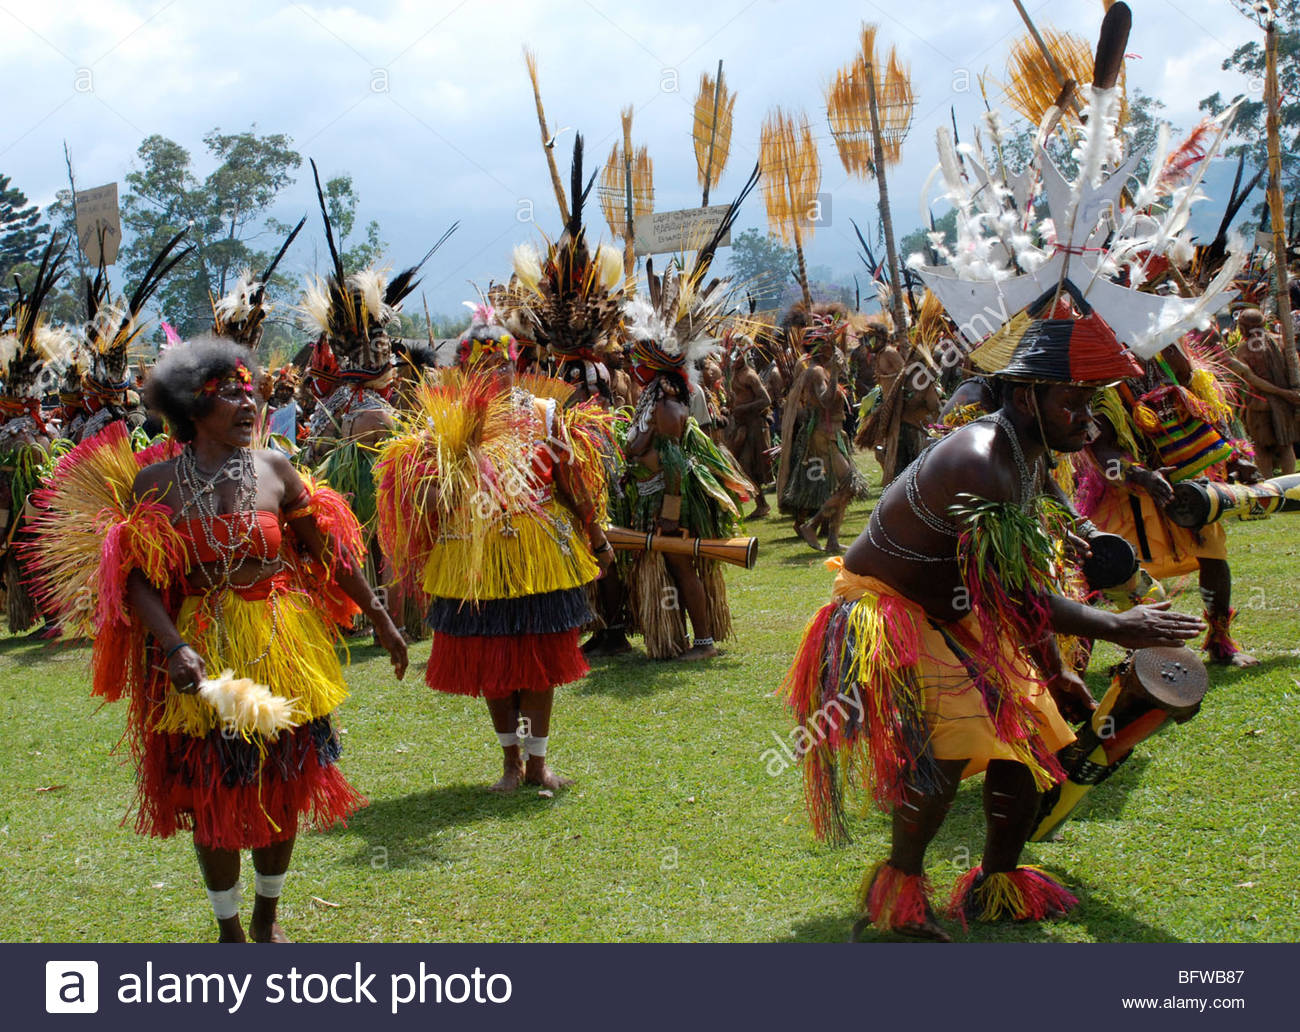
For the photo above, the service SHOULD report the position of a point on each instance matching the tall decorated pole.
(626, 191)
(1276, 204)
(869, 105)
(791, 177)
(886, 220)
(548, 141)
(629, 235)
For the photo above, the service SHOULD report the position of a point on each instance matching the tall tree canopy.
(20, 230)
(224, 211)
(760, 263)
(1248, 130)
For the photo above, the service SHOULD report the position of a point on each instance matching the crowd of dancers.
(215, 527)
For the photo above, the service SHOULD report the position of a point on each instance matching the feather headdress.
(114, 325)
(679, 319)
(570, 297)
(485, 336)
(34, 354)
(1092, 238)
(351, 310)
(238, 315)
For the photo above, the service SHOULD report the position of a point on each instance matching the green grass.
(675, 829)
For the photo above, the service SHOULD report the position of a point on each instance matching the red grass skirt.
(495, 666)
(231, 797)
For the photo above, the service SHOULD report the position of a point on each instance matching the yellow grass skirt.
(279, 640)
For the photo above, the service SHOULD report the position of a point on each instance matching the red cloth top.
(230, 528)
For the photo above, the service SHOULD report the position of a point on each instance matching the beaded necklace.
(201, 489)
(881, 538)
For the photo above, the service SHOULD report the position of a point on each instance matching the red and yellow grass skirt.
(506, 616)
(881, 692)
(236, 792)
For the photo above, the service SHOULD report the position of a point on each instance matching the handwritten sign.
(662, 232)
(99, 222)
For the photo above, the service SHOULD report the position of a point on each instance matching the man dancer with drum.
(937, 657)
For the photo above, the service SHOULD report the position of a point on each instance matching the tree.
(342, 200)
(20, 230)
(411, 325)
(222, 211)
(1249, 129)
(761, 265)
(918, 240)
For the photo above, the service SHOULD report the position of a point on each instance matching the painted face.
(1066, 414)
(381, 348)
(230, 417)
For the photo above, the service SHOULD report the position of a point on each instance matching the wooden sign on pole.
(664, 232)
(99, 223)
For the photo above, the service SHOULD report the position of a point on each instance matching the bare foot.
(929, 929)
(511, 778)
(697, 652)
(1241, 660)
(260, 933)
(833, 545)
(538, 773)
(806, 531)
(760, 511)
(231, 930)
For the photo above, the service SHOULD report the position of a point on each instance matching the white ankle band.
(268, 885)
(508, 739)
(534, 746)
(225, 904)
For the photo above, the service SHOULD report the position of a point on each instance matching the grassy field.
(675, 830)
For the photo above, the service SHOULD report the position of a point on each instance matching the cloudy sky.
(426, 103)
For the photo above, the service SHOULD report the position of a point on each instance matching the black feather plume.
(404, 282)
(1111, 44)
(704, 258)
(266, 276)
(157, 271)
(577, 195)
(339, 274)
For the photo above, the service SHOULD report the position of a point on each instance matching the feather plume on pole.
(711, 130)
(791, 176)
(848, 108)
(613, 187)
(627, 190)
(870, 104)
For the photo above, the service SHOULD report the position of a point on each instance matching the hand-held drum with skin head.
(1152, 687)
